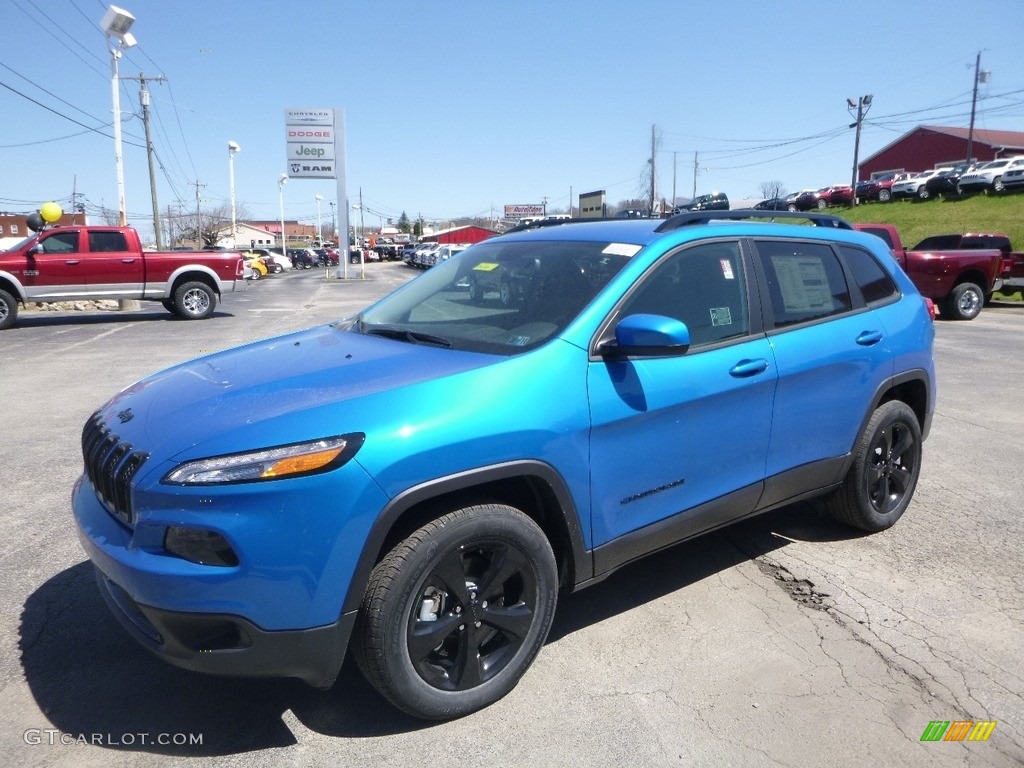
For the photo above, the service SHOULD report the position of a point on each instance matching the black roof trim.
(704, 217)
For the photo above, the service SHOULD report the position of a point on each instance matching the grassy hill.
(918, 219)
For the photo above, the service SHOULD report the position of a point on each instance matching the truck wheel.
(194, 301)
(8, 310)
(884, 195)
(964, 302)
(886, 464)
(455, 614)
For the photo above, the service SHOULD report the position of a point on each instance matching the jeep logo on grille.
(126, 415)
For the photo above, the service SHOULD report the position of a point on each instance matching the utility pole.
(150, 152)
(673, 204)
(696, 165)
(653, 190)
(199, 216)
(863, 104)
(979, 76)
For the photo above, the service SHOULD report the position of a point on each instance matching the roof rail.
(704, 217)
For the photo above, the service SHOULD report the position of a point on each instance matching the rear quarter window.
(876, 286)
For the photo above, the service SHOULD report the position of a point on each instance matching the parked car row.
(427, 255)
(260, 262)
(996, 176)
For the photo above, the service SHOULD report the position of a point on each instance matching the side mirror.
(648, 336)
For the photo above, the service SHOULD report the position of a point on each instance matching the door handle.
(127, 261)
(869, 338)
(745, 368)
(72, 261)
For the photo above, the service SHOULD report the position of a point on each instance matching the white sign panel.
(308, 151)
(309, 117)
(309, 134)
(312, 170)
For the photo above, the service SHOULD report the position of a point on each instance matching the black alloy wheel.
(455, 614)
(887, 462)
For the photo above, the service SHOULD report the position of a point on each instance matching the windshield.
(501, 297)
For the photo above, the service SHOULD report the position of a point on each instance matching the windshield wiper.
(404, 334)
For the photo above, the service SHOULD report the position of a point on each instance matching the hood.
(272, 392)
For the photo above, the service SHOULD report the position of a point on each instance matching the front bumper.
(222, 644)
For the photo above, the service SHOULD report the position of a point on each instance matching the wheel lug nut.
(483, 604)
(476, 624)
(461, 627)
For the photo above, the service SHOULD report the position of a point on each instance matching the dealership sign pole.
(315, 144)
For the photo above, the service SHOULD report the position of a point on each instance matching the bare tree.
(772, 189)
(204, 228)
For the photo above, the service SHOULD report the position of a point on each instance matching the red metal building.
(930, 146)
(469, 234)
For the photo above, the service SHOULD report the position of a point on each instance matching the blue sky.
(457, 108)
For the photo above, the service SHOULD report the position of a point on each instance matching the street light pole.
(281, 181)
(233, 149)
(319, 232)
(115, 25)
(863, 104)
(334, 221)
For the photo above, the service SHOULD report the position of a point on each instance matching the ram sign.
(523, 211)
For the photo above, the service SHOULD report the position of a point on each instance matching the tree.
(403, 223)
(772, 189)
(205, 228)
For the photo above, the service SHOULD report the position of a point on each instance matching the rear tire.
(886, 465)
(194, 301)
(964, 302)
(8, 310)
(455, 614)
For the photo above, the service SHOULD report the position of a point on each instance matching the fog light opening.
(199, 546)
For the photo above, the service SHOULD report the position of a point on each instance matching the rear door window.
(805, 281)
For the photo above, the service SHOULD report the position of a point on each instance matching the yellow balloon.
(50, 212)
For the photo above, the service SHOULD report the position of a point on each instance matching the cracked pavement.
(786, 640)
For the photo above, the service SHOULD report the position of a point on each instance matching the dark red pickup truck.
(76, 263)
(958, 272)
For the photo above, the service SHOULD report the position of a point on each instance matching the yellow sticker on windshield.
(486, 266)
(622, 249)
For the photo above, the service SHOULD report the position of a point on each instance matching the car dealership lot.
(787, 639)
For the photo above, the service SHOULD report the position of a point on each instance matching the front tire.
(886, 466)
(884, 195)
(455, 614)
(8, 310)
(822, 205)
(964, 302)
(194, 301)
(997, 184)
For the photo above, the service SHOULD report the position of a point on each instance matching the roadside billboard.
(528, 210)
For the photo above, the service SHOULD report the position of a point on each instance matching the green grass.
(918, 219)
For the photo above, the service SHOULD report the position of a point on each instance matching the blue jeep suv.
(521, 420)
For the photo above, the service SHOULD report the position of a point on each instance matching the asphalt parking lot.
(786, 640)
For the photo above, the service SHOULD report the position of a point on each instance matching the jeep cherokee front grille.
(110, 465)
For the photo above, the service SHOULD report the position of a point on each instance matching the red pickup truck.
(76, 263)
(958, 272)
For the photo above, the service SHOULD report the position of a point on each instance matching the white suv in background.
(989, 177)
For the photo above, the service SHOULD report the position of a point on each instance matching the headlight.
(268, 463)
